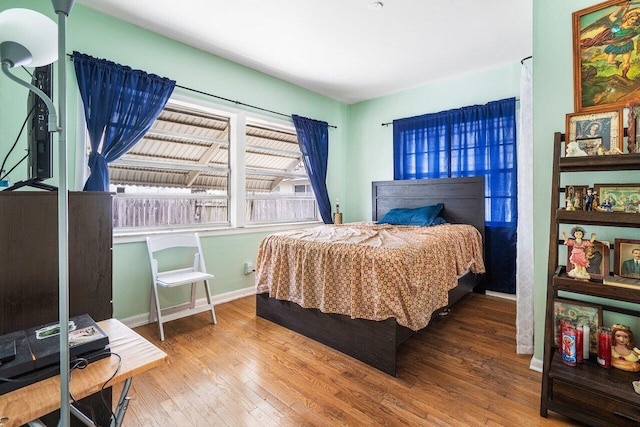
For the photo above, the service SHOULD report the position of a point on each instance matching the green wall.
(370, 145)
(553, 99)
(360, 149)
(101, 36)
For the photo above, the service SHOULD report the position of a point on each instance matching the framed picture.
(578, 311)
(575, 197)
(633, 141)
(594, 134)
(603, 44)
(627, 258)
(598, 259)
(618, 197)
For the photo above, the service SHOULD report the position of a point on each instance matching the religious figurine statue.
(624, 354)
(578, 257)
(570, 206)
(590, 200)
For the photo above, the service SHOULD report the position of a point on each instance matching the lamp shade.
(27, 38)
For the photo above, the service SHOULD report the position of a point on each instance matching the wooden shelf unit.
(586, 392)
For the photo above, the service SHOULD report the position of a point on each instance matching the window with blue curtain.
(120, 105)
(478, 140)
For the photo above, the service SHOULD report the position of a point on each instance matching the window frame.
(283, 126)
(236, 190)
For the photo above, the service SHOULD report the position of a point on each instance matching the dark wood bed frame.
(375, 342)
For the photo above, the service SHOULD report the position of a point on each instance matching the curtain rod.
(228, 100)
(524, 59)
(239, 103)
(390, 123)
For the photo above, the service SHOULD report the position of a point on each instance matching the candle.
(568, 344)
(604, 347)
(579, 343)
(337, 206)
(586, 340)
(562, 322)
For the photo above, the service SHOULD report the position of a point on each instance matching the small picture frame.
(598, 258)
(618, 197)
(627, 258)
(594, 134)
(574, 197)
(578, 311)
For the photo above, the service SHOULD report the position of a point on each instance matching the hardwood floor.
(246, 371)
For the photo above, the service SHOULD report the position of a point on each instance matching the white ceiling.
(343, 48)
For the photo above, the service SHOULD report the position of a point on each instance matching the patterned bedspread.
(369, 271)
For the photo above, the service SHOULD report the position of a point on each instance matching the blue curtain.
(313, 138)
(470, 141)
(120, 105)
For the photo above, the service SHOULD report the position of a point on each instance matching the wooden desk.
(33, 401)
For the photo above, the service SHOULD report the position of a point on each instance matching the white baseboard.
(501, 295)
(535, 364)
(143, 318)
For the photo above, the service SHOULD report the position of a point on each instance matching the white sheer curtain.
(524, 264)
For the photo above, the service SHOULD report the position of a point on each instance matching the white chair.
(177, 277)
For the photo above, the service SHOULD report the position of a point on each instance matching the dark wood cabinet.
(29, 268)
(29, 257)
(586, 392)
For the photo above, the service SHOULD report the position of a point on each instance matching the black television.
(40, 148)
(39, 140)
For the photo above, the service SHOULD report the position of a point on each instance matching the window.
(274, 169)
(478, 140)
(177, 175)
(183, 173)
(302, 188)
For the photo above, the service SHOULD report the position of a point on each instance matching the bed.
(372, 339)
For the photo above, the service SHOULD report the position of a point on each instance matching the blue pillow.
(439, 220)
(424, 215)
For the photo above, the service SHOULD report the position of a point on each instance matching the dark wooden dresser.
(29, 267)
(29, 257)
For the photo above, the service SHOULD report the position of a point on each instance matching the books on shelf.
(624, 282)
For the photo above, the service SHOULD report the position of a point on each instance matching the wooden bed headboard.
(463, 198)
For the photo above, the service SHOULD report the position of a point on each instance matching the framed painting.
(604, 38)
(594, 134)
(633, 141)
(627, 258)
(618, 197)
(597, 258)
(578, 311)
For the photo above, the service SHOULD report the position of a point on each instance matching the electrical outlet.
(249, 268)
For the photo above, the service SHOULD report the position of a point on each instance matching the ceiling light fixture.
(375, 5)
